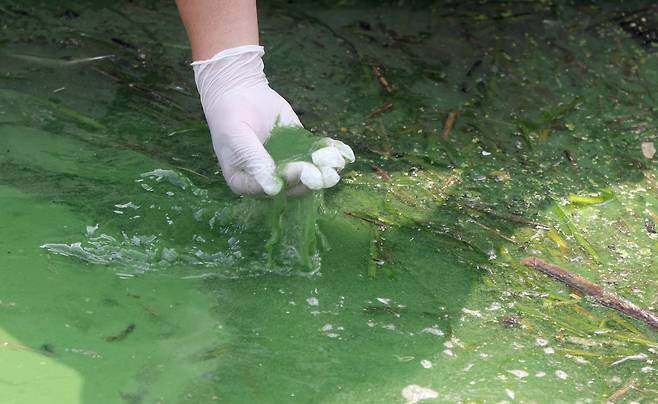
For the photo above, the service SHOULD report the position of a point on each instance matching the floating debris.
(474, 313)
(434, 330)
(638, 357)
(648, 149)
(414, 393)
(518, 373)
(510, 394)
(313, 301)
(561, 374)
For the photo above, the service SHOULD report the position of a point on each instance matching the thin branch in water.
(630, 385)
(507, 216)
(449, 124)
(592, 290)
(366, 219)
(382, 80)
(380, 171)
(495, 231)
(379, 110)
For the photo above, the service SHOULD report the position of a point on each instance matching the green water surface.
(129, 273)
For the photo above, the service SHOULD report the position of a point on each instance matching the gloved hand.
(241, 110)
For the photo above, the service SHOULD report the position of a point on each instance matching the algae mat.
(484, 132)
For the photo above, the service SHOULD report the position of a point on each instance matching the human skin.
(215, 25)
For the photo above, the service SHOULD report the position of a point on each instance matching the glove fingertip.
(328, 157)
(271, 184)
(311, 176)
(346, 151)
(329, 177)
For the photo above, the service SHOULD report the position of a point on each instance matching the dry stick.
(596, 292)
(379, 110)
(382, 80)
(630, 385)
(449, 124)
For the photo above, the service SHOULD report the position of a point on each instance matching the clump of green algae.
(293, 218)
(290, 143)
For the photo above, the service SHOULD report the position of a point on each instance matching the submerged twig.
(382, 80)
(506, 216)
(366, 219)
(379, 110)
(594, 291)
(122, 335)
(495, 231)
(380, 171)
(449, 124)
(630, 385)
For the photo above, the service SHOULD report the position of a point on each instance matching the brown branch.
(380, 110)
(382, 80)
(449, 124)
(630, 385)
(380, 171)
(594, 291)
(106, 73)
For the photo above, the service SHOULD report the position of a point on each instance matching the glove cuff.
(227, 53)
(230, 69)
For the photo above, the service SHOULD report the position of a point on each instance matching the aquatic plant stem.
(594, 291)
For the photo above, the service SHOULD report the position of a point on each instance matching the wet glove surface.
(242, 111)
(305, 161)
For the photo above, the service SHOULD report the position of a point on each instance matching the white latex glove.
(241, 110)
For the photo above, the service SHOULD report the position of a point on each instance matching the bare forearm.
(215, 25)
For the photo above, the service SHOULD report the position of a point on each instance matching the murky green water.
(153, 283)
